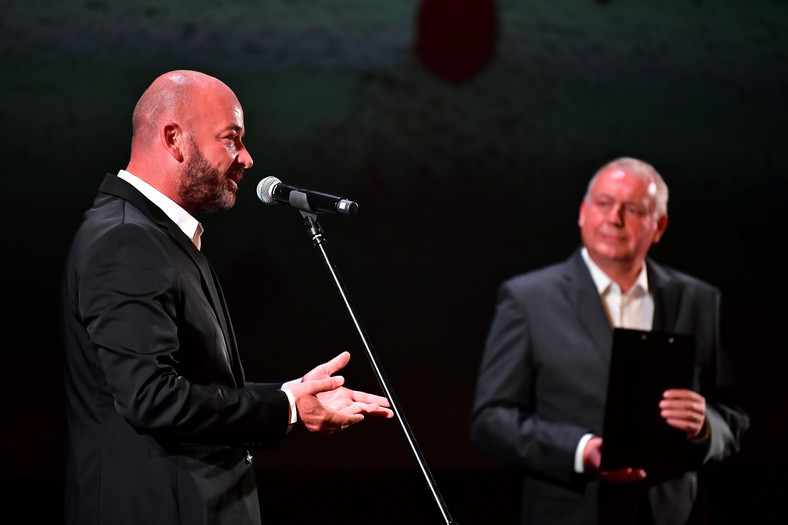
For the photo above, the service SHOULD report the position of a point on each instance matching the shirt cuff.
(293, 414)
(705, 433)
(581, 446)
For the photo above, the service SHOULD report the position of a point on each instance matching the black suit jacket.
(543, 382)
(159, 417)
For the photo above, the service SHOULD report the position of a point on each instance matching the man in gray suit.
(542, 385)
(160, 418)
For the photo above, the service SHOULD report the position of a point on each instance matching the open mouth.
(234, 179)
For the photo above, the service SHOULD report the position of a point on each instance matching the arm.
(152, 336)
(505, 422)
(727, 421)
(709, 417)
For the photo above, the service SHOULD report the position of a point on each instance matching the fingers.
(592, 455)
(367, 409)
(317, 417)
(684, 410)
(692, 428)
(337, 364)
(315, 386)
(351, 401)
(364, 397)
(683, 394)
(592, 459)
(329, 368)
(325, 406)
(624, 475)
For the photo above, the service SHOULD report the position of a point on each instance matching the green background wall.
(464, 176)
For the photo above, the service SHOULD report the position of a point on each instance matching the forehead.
(621, 183)
(219, 108)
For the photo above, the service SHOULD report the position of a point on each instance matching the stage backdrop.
(466, 130)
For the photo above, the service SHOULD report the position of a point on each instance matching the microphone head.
(265, 189)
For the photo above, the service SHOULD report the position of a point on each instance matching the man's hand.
(315, 416)
(685, 410)
(592, 460)
(324, 405)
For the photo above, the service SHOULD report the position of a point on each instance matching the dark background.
(466, 130)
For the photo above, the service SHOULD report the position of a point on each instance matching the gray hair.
(646, 172)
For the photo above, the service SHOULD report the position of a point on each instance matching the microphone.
(271, 190)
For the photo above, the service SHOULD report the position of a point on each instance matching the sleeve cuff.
(705, 433)
(293, 413)
(581, 446)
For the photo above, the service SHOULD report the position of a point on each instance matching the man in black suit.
(160, 419)
(542, 386)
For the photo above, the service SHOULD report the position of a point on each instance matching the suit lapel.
(667, 298)
(227, 329)
(583, 295)
(118, 187)
(213, 290)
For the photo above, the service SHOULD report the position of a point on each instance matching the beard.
(204, 187)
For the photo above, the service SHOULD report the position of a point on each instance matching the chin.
(614, 255)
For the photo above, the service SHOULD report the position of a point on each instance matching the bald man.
(160, 419)
(542, 386)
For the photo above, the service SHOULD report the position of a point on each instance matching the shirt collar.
(178, 215)
(603, 282)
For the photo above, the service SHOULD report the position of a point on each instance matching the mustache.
(235, 173)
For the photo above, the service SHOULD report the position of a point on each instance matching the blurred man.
(540, 398)
(160, 418)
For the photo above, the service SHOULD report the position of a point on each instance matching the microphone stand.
(316, 232)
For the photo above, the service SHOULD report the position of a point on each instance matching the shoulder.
(547, 277)
(541, 286)
(661, 275)
(114, 220)
(536, 278)
(116, 233)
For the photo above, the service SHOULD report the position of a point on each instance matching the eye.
(634, 209)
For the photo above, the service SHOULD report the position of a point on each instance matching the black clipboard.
(642, 366)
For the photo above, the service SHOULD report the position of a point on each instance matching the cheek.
(592, 220)
(643, 234)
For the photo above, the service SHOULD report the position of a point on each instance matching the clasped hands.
(325, 406)
(680, 408)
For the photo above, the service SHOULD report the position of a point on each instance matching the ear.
(172, 140)
(581, 218)
(662, 225)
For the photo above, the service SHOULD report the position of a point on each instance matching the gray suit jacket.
(159, 416)
(543, 382)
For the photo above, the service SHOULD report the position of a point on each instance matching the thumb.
(329, 368)
(324, 385)
(337, 363)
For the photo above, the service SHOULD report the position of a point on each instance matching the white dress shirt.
(188, 224)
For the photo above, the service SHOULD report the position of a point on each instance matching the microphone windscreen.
(265, 189)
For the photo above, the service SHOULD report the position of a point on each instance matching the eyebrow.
(234, 127)
(625, 202)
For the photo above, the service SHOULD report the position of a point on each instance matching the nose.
(244, 157)
(616, 214)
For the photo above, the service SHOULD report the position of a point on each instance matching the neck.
(623, 273)
(158, 178)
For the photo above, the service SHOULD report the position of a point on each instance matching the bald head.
(171, 97)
